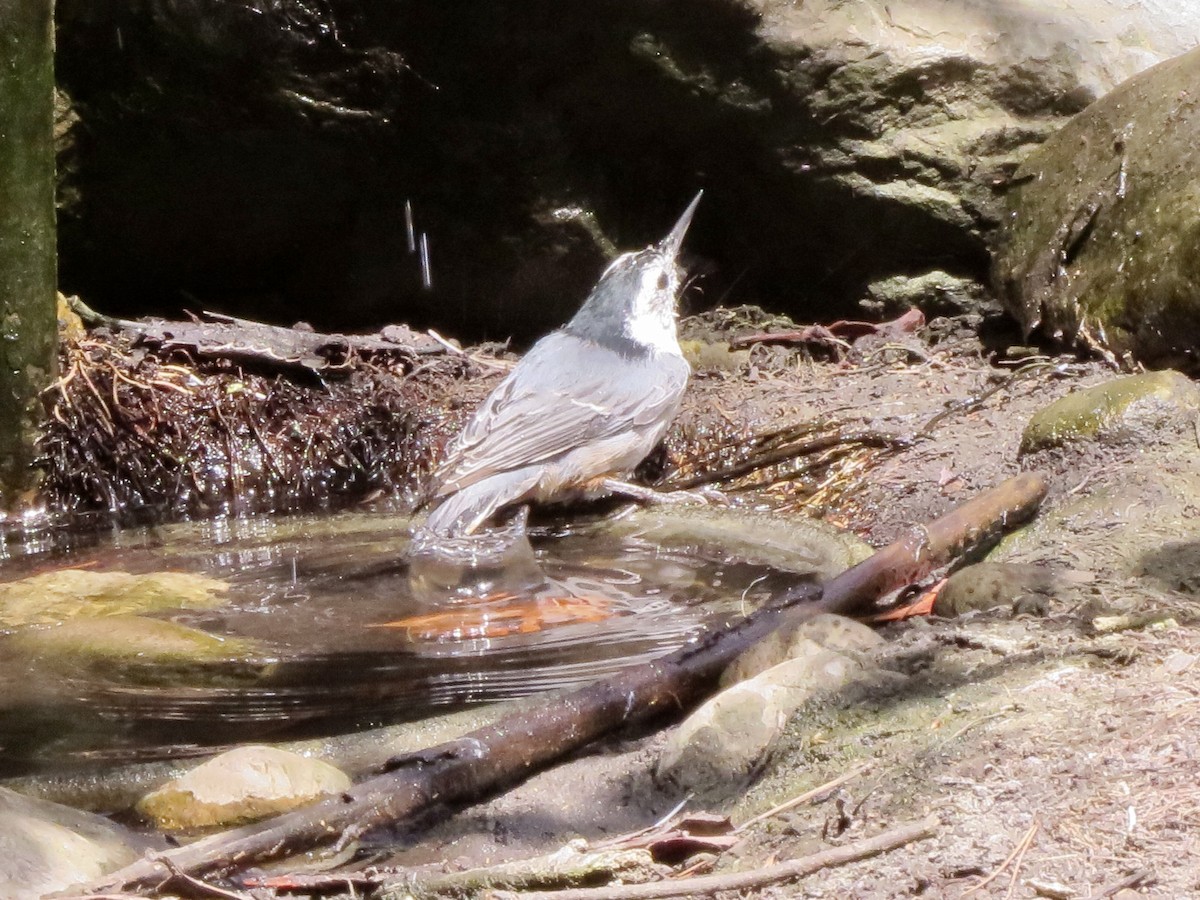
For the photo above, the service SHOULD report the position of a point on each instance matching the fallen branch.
(707, 885)
(217, 336)
(570, 865)
(928, 547)
(494, 756)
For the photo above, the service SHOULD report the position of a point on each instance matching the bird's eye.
(663, 282)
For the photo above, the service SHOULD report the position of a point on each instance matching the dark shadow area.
(255, 158)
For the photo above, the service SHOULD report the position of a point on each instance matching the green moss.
(1104, 408)
(1103, 240)
(56, 597)
(28, 260)
(142, 651)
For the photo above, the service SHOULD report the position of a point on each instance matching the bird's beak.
(673, 241)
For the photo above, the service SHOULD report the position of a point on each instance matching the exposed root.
(132, 435)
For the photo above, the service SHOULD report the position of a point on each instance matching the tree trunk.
(28, 257)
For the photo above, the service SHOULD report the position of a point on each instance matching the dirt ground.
(1060, 761)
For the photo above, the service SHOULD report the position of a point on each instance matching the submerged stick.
(505, 752)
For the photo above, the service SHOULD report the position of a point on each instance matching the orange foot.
(922, 606)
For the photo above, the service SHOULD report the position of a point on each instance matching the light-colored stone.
(730, 737)
(826, 631)
(45, 848)
(243, 785)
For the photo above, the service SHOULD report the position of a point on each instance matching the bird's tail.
(464, 511)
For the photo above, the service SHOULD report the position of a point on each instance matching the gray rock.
(728, 739)
(925, 108)
(829, 631)
(45, 848)
(1100, 249)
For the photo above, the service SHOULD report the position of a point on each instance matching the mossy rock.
(1102, 245)
(137, 650)
(243, 785)
(54, 597)
(1136, 407)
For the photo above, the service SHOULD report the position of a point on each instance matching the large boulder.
(257, 156)
(1103, 244)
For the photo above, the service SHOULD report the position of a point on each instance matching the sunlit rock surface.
(67, 593)
(137, 650)
(729, 738)
(1151, 408)
(1102, 243)
(793, 544)
(830, 631)
(46, 848)
(240, 786)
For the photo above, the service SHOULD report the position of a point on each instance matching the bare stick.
(818, 791)
(515, 747)
(745, 881)
(1136, 879)
(1017, 853)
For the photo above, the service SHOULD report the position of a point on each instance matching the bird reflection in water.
(488, 585)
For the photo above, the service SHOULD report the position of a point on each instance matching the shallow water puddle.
(321, 631)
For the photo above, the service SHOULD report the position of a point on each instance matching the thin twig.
(1016, 869)
(1012, 707)
(1019, 850)
(203, 888)
(746, 881)
(1134, 879)
(804, 798)
(649, 829)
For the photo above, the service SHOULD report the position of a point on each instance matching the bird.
(583, 407)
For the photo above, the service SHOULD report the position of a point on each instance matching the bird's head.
(632, 306)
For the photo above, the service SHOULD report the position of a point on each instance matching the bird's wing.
(563, 394)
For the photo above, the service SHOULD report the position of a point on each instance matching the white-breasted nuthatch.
(584, 406)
